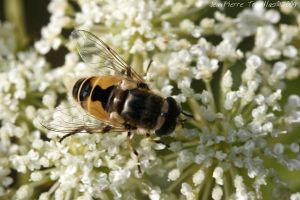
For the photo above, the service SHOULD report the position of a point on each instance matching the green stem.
(170, 165)
(209, 89)
(41, 182)
(186, 13)
(76, 193)
(195, 107)
(207, 188)
(226, 186)
(53, 188)
(14, 12)
(187, 171)
(198, 190)
(247, 111)
(170, 156)
(190, 144)
(232, 173)
(68, 195)
(237, 108)
(137, 63)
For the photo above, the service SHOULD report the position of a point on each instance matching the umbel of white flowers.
(221, 154)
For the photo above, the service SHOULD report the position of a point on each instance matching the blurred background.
(28, 18)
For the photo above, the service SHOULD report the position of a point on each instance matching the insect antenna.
(182, 121)
(187, 114)
(129, 135)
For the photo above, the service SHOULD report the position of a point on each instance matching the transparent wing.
(94, 51)
(68, 121)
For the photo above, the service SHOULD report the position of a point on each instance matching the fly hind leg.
(129, 137)
(83, 129)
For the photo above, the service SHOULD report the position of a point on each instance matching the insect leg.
(79, 129)
(157, 141)
(143, 85)
(181, 121)
(148, 67)
(187, 114)
(105, 129)
(134, 151)
(65, 136)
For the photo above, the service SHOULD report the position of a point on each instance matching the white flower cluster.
(25, 88)
(229, 72)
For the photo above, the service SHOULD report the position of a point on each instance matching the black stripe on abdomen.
(76, 88)
(102, 95)
(86, 89)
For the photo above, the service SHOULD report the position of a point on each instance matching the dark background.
(36, 15)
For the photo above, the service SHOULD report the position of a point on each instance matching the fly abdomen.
(82, 89)
(102, 95)
(76, 87)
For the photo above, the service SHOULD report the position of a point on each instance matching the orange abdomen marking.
(94, 93)
(106, 81)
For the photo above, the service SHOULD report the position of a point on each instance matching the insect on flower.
(123, 102)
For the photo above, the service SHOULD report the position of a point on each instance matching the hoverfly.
(123, 102)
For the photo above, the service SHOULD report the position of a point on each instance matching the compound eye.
(76, 88)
